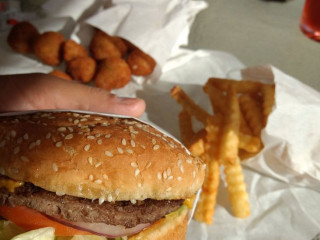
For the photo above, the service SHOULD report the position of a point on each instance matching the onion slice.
(103, 229)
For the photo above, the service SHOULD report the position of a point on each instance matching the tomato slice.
(29, 219)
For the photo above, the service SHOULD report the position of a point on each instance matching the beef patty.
(77, 209)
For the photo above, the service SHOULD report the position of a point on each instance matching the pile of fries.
(230, 135)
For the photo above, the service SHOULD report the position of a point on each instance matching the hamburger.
(93, 174)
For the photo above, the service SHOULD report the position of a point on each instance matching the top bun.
(96, 157)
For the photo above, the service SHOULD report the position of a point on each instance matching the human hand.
(42, 91)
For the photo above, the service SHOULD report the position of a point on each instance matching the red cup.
(310, 20)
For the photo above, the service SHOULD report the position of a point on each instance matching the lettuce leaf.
(8, 230)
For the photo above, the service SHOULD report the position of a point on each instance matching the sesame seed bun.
(96, 157)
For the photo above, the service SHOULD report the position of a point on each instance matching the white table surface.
(259, 32)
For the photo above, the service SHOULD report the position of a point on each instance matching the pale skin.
(37, 91)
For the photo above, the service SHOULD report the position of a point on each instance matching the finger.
(42, 91)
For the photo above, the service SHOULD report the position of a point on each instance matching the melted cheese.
(10, 184)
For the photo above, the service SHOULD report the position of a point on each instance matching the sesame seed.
(136, 172)
(26, 136)
(117, 191)
(107, 135)
(194, 174)
(2, 143)
(153, 141)
(69, 136)
(98, 119)
(83, 119)
(169, 189)
(32, 145)
(133, 135)
(105, 124)
(179, 162)
(159, 176)
(24, 159)
(98, 164)
(76, 114)
(143, 146)
(97, 135)
(98, 181)
(148, 165)
(54, 167)
(108, 153)
(110, 197)
(76, 121)
(133, 143)
(58, 144)
(105, 176)
(87, 115)
(169, 171)
(170, 178)
(156, 147)
(189, 161)
(38, 142)
(16, 150)
(123, 142)
(99, 141)
(90, 177)
(120, 150)
(101, 200)
(62, 129)
(13, 133)
(87, 147)
(130, 151)
(134, 164)
(179, 178)
(90, 137)
(181, 169)
(70, 129)
(90, 159)
(164, 174)
(48, 135)
(133, 201)
(204, 166)
(139, 185)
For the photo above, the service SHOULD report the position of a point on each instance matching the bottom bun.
(173, 226)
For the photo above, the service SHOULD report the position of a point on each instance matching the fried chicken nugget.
(82, 68)
(72, 50)
(21, 36)
(48, 47)
(112, 73)
(140, 63)
(60, 74)
(102, 46)
(120, 44)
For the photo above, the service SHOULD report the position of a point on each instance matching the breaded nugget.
(120, 44)
(112, 73)
(72, 50)
(60, 74)
(82, 68)
(102, 46)
(21, 36)
(48, 47)
(140, 63)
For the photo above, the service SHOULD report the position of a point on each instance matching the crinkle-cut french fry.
(217, 98)
(208, 197)
(236, 188)
(230, 132)
(252, 112)
(268, 100)
(189, 105)
(197, 144)
(244, 155)
(249, 143)
(218, 102)
(243, 86)
(185, 125)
